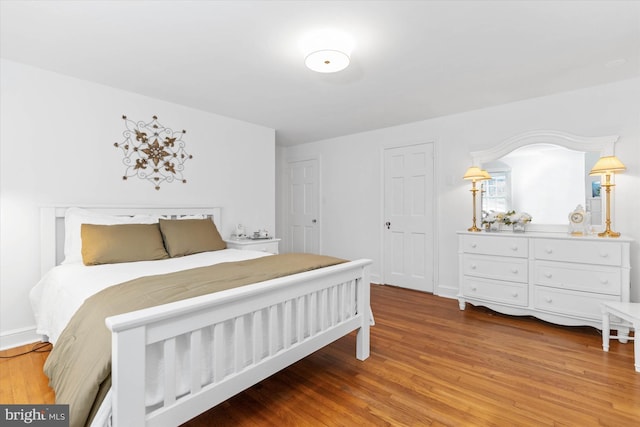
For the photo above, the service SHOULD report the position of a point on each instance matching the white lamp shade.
(327, 51)
(474, 173)
(607, 165)
(327, 61)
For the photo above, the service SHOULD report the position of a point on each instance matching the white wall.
(351, 169)
(56, 147)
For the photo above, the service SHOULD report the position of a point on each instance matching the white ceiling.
(413, 60)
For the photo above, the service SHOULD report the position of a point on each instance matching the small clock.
(577, 217)
(578, 221)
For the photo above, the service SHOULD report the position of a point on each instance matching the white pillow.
(196, 216)
(75, 217)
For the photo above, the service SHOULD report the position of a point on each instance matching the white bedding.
(64, 288)
(59, 294)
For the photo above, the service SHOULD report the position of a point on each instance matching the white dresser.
(553, 276)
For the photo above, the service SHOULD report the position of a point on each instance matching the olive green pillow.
(111, 244)
(190, 236)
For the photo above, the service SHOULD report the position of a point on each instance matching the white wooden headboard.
(52, 225)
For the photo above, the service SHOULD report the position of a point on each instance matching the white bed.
(273, 324)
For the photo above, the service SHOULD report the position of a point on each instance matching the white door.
(303, 222)
(409, 212)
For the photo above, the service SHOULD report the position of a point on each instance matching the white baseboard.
(18, 337)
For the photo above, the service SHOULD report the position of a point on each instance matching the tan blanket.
(80, 362)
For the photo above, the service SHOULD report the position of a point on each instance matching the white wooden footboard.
(233, 339)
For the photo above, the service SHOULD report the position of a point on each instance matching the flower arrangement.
(492, 220)
(493, 217)
(513, 217)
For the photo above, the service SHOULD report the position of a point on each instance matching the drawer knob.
(548, 275)
(604, 281)
(473, 288)
(548, 300)
(549, 250)
(473, 266)
(515, 295)
(604, 254)
(514, 270)
(514, 248)
(473, 245)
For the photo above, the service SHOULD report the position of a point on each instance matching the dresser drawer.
(495, 291)
(499, 268)
(570, 303)
(582, 251)
(271, 247)
(591, 278)
(494, 245)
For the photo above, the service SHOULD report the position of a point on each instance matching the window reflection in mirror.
(496, 192)
(545, 180)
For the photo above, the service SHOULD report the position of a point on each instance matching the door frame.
(286, 238)
(435, 209)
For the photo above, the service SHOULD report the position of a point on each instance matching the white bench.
(628, 311)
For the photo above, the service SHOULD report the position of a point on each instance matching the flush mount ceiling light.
(327, 51)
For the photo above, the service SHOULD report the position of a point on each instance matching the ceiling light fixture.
(327, 51)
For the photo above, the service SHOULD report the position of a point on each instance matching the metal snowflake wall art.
(153, 152)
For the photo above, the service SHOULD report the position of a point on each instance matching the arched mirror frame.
(601, 144)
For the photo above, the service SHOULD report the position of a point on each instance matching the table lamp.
(475, 174)
(607, 166)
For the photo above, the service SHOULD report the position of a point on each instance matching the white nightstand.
(264, 245)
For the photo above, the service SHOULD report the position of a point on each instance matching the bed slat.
(300, 318)
(218, 352)
(239, 341)
(195, 360)
(286, 325)
(169, 371)
(256, 337)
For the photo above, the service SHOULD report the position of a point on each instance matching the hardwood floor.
(21, 377)
(430, 364)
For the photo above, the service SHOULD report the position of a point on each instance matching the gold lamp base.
(474, 190)
(609, 233)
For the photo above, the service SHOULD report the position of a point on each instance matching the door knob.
(388, 224)
(313, 221)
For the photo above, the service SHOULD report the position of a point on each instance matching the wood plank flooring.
(430, 364)
(22, 379)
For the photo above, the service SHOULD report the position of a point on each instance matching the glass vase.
(492, 227)
(519, 227)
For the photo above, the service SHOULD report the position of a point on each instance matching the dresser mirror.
(546, 174)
